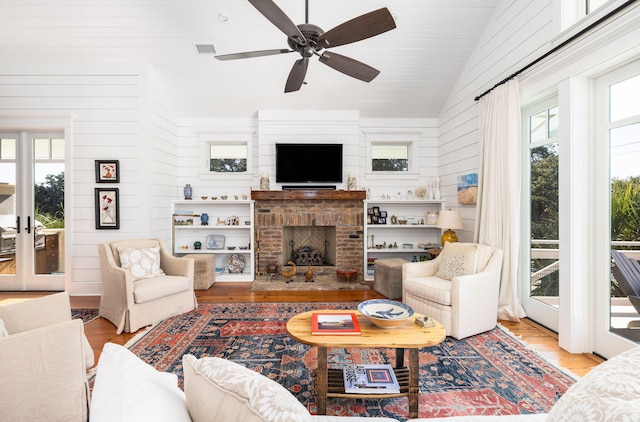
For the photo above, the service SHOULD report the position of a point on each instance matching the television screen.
(308, 163)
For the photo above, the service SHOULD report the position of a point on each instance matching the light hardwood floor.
(545, 342)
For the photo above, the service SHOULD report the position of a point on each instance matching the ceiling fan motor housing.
(311, 33)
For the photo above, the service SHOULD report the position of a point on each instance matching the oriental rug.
(85, 314)
(488, 374)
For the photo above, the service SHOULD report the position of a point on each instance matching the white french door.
(540, 258)
(32, 211)
(618, 195)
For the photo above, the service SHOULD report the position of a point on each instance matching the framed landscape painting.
(107, 208)
(468, 189)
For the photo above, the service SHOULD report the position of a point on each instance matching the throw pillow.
(128, 389)
(221, 390)
(3, 329)
(457, 259)
(143, 263)
(609, 392)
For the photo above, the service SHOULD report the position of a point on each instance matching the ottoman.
(387, 277)
(204, 274)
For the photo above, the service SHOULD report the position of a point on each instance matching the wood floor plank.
(544, 341)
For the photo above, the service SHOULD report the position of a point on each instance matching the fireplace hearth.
(323, 227)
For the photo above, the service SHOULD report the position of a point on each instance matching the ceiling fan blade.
(249, 54)
(349, 66)
(360, 28)
(277, 17)
(296, 76)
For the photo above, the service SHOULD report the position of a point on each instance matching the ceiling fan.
(308, 40)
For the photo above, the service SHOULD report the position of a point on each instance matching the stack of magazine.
(370, 379)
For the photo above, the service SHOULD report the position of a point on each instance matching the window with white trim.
(228, 158)
(390, 157)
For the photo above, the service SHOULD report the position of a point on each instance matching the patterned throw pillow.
(457, 259)
(221, 390)
(143, 263)
(609, 392)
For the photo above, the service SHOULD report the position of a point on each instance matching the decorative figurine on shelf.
(197, 244)
(188, 191)
(264, 181)
(204, 219)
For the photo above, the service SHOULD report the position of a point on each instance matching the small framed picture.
(376, 211)
(107, 208)
(382, 220)
(107, 171)
(383, 214)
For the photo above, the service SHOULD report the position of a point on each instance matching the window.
(390, 157)
(228, 158)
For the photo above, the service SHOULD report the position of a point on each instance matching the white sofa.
(219, 390)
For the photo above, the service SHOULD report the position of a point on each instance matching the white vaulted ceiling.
(419, 61)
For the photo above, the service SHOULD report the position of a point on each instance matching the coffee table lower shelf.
(335, 385)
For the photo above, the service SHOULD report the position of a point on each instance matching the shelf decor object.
(449, 220)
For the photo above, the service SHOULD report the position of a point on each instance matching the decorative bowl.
(385, 313)
(402, 222)
(407, 245)
(231, 247)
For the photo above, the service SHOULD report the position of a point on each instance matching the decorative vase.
(437, 195)
(204, 219)
(264, 181)
(197, 245)
(188, 191)
(351, 182)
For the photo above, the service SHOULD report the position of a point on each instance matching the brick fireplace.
(328, 222)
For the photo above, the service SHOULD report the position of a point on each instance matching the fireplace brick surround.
(275, 210)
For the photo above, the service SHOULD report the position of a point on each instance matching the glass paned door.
(624, 155)
(541, 265)
(32, 211)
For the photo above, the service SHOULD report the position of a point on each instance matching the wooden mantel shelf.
(311, 194)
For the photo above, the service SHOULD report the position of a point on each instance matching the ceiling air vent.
(205, 48)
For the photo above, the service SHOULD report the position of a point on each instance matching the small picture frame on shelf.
(382, 220)
(107, 171)
(383, 214)
(376, 211)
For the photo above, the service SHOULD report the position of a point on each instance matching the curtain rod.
(559, 46)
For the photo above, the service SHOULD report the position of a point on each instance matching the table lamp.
(449, 220)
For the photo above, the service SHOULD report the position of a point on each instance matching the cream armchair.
(151, 285)
(44, 358)
(459, 288)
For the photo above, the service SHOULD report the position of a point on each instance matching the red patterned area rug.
(488, 374)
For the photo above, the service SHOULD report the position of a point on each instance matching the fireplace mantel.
(310, 194)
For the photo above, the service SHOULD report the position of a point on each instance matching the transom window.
(390, 157)
(228, 158)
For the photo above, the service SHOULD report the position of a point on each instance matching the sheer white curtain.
(498, 207)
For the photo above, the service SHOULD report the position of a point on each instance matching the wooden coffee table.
(330, 383)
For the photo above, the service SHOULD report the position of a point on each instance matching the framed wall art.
(107, 208)
(107, 171)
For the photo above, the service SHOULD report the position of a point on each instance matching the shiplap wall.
(271, 126)
(516, 34)
(117, 113)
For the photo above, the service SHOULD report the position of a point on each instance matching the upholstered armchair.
(44, 356)
(459, 288)
(142, 283)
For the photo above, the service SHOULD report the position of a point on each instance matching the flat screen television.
(308, 163)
